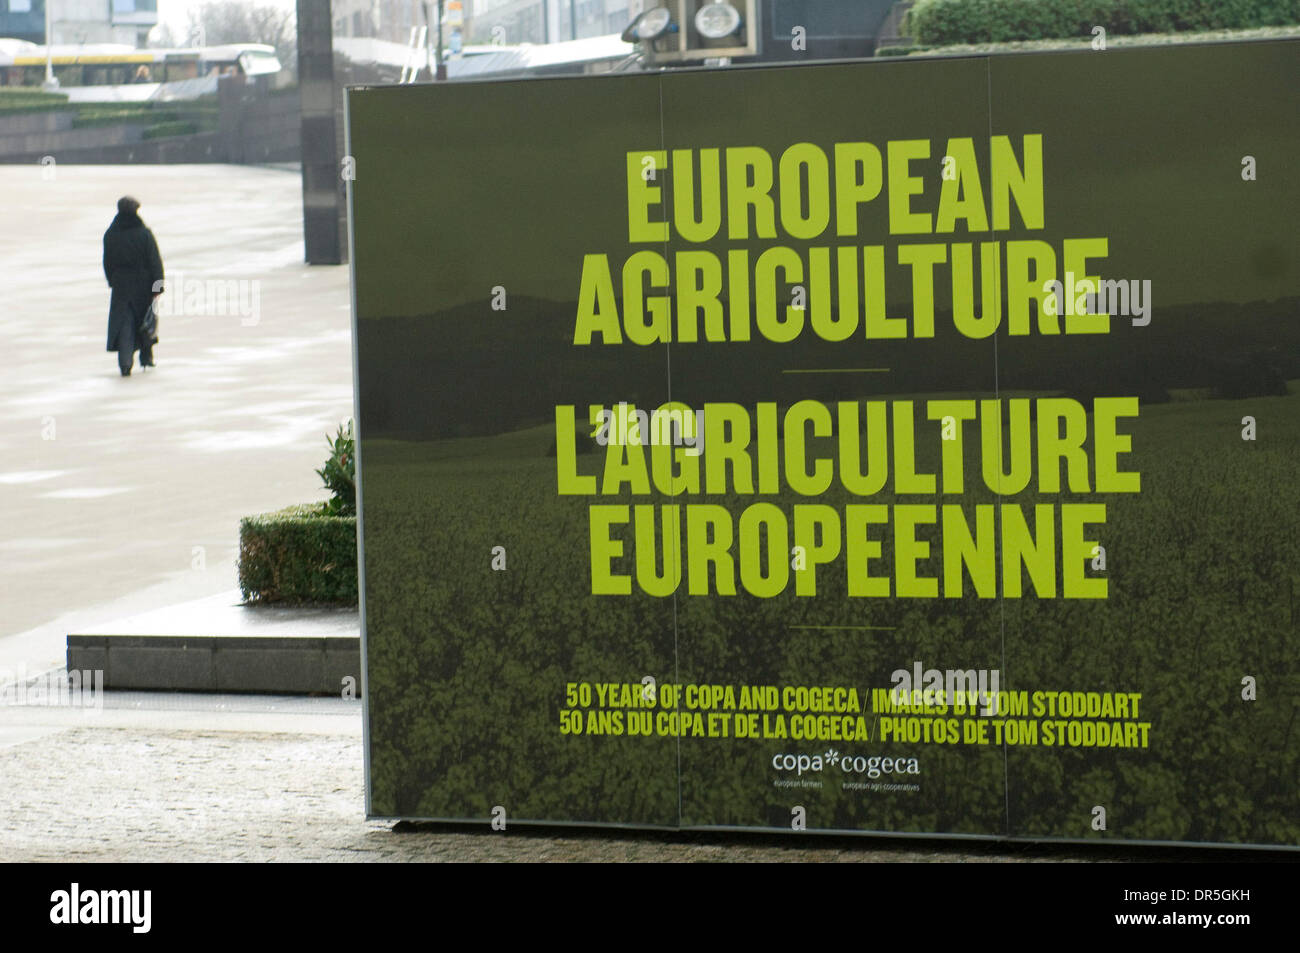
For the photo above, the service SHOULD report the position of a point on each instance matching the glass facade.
(23, 20)
(80, 21)
(547, 21)
(135, 11)
(504, 22)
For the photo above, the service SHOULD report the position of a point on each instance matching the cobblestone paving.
(145, 794)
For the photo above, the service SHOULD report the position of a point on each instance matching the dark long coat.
(134, 271)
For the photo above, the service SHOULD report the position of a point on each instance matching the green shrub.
(18, 99)
(113, 116)
(939, 22)
(340, 472)
(178, 127)
(26, 94)
(299, 554)
(899, 50)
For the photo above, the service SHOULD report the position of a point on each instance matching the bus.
(111, 72)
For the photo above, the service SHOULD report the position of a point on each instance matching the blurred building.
(80, 21)
(376, 19)
(484, 21)
(547, 21)
(22, 20)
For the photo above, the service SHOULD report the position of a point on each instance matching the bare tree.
(215, 23)
(161, 37)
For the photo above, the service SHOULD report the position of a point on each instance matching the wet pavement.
(125, 494)
(225, 615)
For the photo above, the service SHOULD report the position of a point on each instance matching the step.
(219, 645)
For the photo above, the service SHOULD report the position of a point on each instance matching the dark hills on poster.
(456, 373)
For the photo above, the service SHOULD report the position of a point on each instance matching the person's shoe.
(126, 371)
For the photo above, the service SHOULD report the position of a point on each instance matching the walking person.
(134, 271)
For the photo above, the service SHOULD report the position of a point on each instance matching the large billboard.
(895, 446)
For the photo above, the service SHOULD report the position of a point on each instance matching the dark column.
(324, 209)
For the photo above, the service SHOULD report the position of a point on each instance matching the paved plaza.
(123, 496)
(169, 777)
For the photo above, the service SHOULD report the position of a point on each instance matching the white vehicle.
(110, 72)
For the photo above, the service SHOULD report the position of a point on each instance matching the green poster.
(894, 446)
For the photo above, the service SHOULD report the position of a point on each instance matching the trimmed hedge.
(298, 554)
(177, 127)
(21, 99)
(941, 22)
(86, 118)
(10, 94)
(899, 50)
